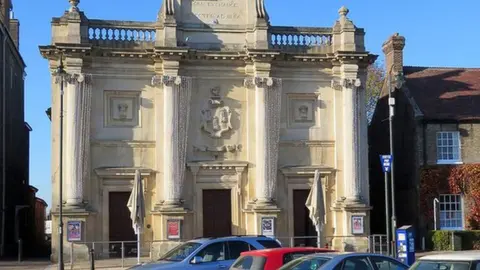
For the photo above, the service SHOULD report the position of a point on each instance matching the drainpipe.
(4, 163)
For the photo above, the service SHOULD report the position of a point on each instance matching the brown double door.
(120, 224)
(217, 212)
(302, 225)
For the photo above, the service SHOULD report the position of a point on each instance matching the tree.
(375, 77)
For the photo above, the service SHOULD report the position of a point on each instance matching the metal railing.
(124, 253)
(114, 253)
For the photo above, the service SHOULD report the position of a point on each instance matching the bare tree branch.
(375, 77)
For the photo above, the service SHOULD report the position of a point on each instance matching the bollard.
(92, 259)
(19, 250)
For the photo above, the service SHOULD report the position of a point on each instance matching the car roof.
(203, 240)
(283, 250)
(343, 254)
(470, 255)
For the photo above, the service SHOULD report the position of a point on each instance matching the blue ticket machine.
(406, 245)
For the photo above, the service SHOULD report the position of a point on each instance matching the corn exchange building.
(226, 117)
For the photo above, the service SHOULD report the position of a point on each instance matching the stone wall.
(469, 139)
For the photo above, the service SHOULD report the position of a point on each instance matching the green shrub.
(441, 240)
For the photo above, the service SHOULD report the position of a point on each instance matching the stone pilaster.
(268, 93)
(77, 110)
(176, 107)
(352, 142)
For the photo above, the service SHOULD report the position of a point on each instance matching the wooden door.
(217, 212)
(120, 224)
(302, 225)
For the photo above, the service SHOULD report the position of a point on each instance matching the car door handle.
(222, 266)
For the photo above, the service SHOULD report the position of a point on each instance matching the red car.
(272, 259)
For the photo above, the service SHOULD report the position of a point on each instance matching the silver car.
(458, 260)
(345, 261)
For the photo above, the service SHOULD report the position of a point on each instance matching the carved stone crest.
(216, 117)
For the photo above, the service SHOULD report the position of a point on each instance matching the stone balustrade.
(129, 34)
(308, 39)
(121, 34)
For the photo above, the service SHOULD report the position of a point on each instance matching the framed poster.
(74, 231)
(268, 226)
(358, 225)
(173, 229)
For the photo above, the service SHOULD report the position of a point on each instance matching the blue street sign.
(386, 161)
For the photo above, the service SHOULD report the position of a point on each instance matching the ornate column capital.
(351, 83)
(262, 82)
(71, 78)
(167, 80)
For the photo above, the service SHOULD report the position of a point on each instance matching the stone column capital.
(351, 83)
(71, 78)
(262, 82)
(167, 80)
(348, 83)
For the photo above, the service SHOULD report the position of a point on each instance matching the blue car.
(209, 253)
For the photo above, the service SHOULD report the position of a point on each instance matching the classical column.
(268, 93)
(352, 139)
(78, 91)
(176, 107)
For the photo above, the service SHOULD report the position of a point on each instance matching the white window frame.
(446, 218)
(442, 143)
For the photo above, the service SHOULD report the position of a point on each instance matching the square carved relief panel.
(122, 108)
(302, 110)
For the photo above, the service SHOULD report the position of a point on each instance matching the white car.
(459, 260)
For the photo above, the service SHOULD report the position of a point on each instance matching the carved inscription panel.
(216, 12)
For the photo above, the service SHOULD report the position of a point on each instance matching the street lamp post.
(60, 73)
(399, 81)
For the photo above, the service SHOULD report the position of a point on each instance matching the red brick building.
(436, 143)
(40, 218)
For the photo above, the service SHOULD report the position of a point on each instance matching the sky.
(438, 33)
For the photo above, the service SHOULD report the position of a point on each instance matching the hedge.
(442, 240)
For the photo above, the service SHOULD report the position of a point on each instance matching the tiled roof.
(445, 93)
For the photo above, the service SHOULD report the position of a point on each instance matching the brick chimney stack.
(393, 50)
(5, 7)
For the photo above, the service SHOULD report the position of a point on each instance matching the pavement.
(111, 264)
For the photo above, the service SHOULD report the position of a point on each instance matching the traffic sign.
(386, 161)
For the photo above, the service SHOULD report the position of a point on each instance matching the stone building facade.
(436, 125)
(223, 114)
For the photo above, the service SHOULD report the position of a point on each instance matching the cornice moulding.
(132, 144)
(123, 172)
(294, 170)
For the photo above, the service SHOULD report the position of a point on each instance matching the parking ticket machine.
(406, 245)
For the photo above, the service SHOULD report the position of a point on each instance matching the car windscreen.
(179, 253)
(287, 257)
(269, 243)
(249, 263)
(441, 265)
(306, 263)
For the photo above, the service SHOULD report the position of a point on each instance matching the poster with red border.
(173, 229)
